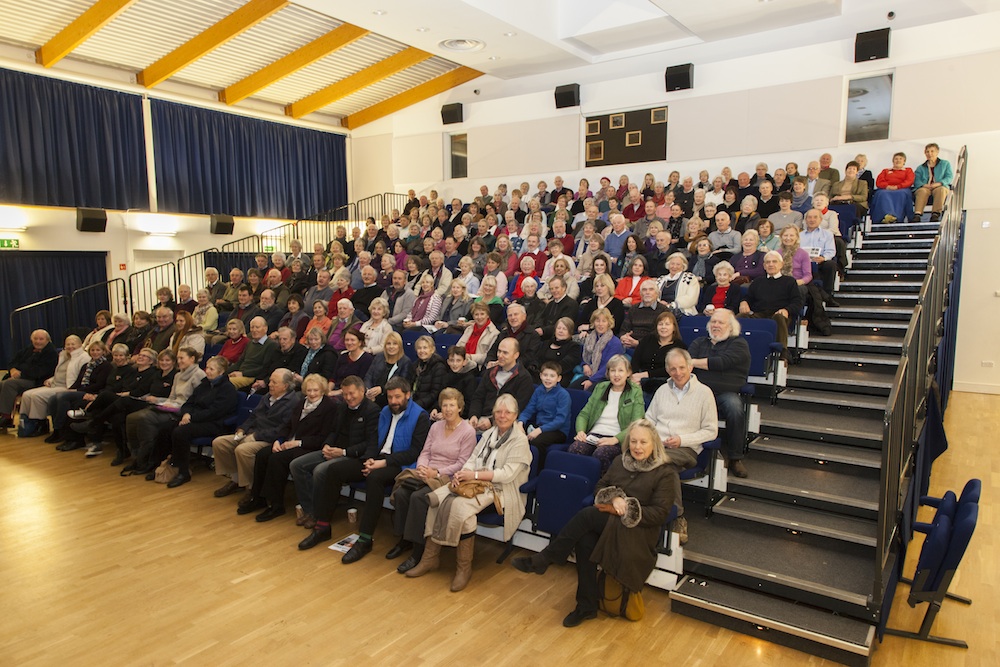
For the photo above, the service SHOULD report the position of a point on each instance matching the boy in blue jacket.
(548, 411)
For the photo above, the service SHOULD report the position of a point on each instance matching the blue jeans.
(730, 407)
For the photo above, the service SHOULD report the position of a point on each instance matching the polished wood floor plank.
(103, 570)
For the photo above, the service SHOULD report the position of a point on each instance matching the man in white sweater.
(684, 412)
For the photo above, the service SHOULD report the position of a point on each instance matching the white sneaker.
(94, 450)
(76, 414)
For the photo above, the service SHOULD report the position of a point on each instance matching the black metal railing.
(238, 254)
(393, 201)
(370, 207)
(51, 314)
(191, 269)
(109, 295)
(905, 407)
(307, 232)
(142, 286)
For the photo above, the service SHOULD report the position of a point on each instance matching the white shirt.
(607, 424)
(387, 447)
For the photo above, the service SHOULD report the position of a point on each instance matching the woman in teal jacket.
(613, 406)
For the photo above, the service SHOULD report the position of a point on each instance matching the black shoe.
(119, 459)
(6, 421)
(150, 476)
(226, 489)
(319, 534)
(360, 549)
(401, 547)
(128, 470)
(935, 217)
(832, 303)
(533, 565)
(182, 478)
(55, 437)
(408, 565)
(270, 513)
(70, 445)
(576, 617)
(252, 504)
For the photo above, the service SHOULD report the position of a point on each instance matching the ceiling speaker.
(451, 113)
(91, 220)
(873, 45)
(568, 96)
(222, 224)
(680, 77)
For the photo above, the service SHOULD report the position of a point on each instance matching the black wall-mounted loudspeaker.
(91, 220)
(680, 77)
(872, 45)
(222, 224)
(451, 113)
(568, 96)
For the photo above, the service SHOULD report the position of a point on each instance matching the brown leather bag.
(473, 487)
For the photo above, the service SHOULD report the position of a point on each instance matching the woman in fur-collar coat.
(620, 531)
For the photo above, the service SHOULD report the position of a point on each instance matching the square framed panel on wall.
(626, 137)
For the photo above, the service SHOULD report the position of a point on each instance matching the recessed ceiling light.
(494, 57)
(422, 29)
(462, 45)
(510, 34)
(379, 12)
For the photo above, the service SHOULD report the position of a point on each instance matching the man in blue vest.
(402, 430)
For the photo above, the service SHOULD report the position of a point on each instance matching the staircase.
(789, 553)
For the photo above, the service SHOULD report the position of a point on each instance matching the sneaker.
(94, 450)
(76, 414)
(681, 528)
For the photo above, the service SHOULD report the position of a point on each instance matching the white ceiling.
(522, 38)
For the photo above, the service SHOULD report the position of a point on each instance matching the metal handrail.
(902, 421)
(139, 295)
(31, 309)
(78, 318)
(191, 268)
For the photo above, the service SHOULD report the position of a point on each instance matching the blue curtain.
(214, 162)
(67, 144)
(27, 277)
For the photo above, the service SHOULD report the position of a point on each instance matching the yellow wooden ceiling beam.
(83, 26)
(347, 86)
(212, 38)
(435, 86)
(304, 56)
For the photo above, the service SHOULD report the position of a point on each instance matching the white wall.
(776, 107)
(126, 233)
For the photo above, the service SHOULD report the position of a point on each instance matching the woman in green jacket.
(612, 407)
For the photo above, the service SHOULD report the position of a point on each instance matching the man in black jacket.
(28, 369)
(354, 435)
(529, 344)
(558, 307)
(506, 377)
(773, 296)
(722, 362)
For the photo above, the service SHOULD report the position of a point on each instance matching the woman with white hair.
(501, 461)
(679, 288)
(747, 217)
(377, 327)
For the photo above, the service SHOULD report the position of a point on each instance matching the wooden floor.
(99, 570)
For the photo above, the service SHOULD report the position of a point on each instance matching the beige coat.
(513, 463)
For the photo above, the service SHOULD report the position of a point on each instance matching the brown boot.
(430, 561)
(463, 556)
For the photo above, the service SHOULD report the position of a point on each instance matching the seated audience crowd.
(379, 360)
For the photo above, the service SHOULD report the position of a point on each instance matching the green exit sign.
(10, 244)
(269, 248)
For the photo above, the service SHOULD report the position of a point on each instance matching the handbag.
(165, 472)
(471, 488)
(616, 600)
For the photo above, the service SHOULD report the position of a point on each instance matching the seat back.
(705, 458)
(932, 555)
(587, 467)
(692, 327)
(577, 401)
(970, 494)
(962, 530)
(560, 495)
(444, 341)
(761, 352)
